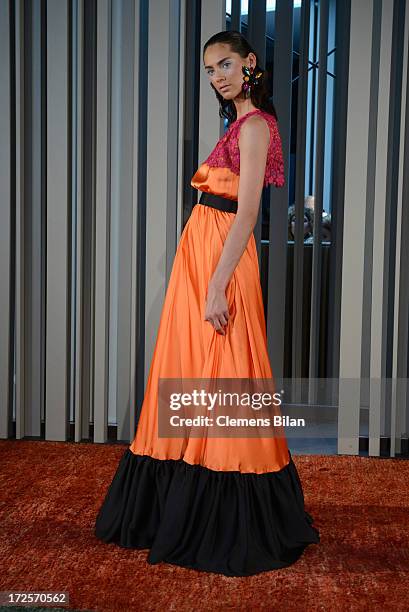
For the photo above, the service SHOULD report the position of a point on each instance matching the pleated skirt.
(232, 505)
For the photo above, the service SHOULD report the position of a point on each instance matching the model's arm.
(253, 144)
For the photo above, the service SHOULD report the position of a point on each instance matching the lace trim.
(226, 153)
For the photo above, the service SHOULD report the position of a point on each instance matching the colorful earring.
(249, 79)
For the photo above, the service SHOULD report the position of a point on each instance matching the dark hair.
(259, 96)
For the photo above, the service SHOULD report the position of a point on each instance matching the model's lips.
(224, 87)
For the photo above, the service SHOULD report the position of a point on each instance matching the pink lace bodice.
(226, 153)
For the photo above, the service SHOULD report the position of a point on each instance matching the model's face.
(224, 69)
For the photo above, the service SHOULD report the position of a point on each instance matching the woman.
(233, 506)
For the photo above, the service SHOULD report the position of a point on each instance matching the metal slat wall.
(6, 221)
(278, 202)
(379, 203)
(77, 206)
(352, 298)
(57, 224)
(400, 390)
(90, 219)
(300, 170)
(121, 215)
(370, 223)
(102, 219)
(88, 238)
(337, 193)
(18, 181)
(316, 311)
(211, 126)
(256, 35)
(394, 221)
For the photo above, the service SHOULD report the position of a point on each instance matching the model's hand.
(217, 309)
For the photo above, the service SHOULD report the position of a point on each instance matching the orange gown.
(228, 505)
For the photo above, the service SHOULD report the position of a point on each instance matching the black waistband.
(216, 201)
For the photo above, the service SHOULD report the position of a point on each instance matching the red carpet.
(51, 491)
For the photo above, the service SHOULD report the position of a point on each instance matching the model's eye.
(209, 72)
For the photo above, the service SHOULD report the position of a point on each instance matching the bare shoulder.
(254, 130)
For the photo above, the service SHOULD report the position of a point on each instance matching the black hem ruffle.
(231, 523)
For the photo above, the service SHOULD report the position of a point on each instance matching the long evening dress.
(233, 506)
